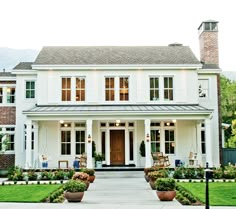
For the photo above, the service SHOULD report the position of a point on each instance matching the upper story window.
(154, 88)
(66, 89)
(168, 88)
(110, 89)
(30, 89)
(11, 95)
(80, 89)
(124, 88)
(203, 88)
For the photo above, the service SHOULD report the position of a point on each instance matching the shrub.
(15, 174)
(229, 172)
(154, 175)
(190, 173)
(80, 176)
(142, 150)
(218, 173)
(165, 184)
(99, 157)
(178, 173)
(153, 168)
(46, 175)
(70, 173)
(32, 176)
(59, 175)
(90, 172)
(74, 186)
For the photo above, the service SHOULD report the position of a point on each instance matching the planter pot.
(91, 179)
(166, 195)
(99, 164)
(74, 196)
(87, 185)
(142, 162)
(146, 178)
(152, 184)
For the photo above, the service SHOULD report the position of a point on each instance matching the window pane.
(152, 83)
(131, 146)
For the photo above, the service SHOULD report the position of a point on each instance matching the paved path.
(114, 190)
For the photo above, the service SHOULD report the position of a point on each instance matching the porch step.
(123, 168)
(119, 174)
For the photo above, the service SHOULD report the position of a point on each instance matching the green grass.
(221, 193)
(26, 193)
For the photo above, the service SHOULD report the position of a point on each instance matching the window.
(79, 142)
(110, 89)
(124, 88)
(169, 141)
(32, 137)
(11, 95)
(168, 88)
(80, 89)
(1, 95)
(103, 143)
(131, 145)
(211, 26)
(155, 141)
(65, 142)
(203, 86)
(154, 88)
(203, 139)
(66, 89)
(10, 133)
(30, 90)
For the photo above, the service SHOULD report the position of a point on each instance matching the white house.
(118, 96)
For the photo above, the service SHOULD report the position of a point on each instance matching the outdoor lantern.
(147, 137)
(89, 138)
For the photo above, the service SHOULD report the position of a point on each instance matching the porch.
(61, 135)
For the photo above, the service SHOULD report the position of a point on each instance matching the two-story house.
(119, 96)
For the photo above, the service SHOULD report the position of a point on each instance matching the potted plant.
(142, 152)
(81, 176)
(154, 175)
(90, 172)
(165, 189)
(74, 190)
(98, 159)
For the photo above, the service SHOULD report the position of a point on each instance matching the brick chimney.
(208, 39)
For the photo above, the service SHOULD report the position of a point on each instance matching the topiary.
(142, 150)
(165, 184)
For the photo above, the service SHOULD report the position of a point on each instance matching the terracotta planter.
(91, 179)
(87, 185)
(146, 178)
(152, 184)
(74, 196)
(166, 195)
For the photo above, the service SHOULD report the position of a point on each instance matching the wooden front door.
(117, 146)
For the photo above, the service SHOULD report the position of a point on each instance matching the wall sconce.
(147, 137)
(89, 138)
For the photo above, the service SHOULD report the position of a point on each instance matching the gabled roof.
(116, 55)
(24, 66)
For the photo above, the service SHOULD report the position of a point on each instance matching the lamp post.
(208, 175)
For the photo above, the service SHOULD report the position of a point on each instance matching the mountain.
(9, 58)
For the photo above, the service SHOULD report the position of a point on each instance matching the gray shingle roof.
(6, 74)
(116, 55)
(24, 66)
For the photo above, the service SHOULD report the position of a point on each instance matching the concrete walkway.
(114, 190)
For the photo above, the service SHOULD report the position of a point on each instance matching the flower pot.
(166, 195)
(152, 184)
(146, 178)
(74, 196)
(91, 179)
(99, 164)
(87, 185)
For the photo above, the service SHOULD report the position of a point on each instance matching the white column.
(36, 145)
(147, 144)
(89, 145)
(28, 157)
(209, 153)
(108, 150)
(199, 142)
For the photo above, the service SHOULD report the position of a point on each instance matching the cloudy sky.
(36, 23)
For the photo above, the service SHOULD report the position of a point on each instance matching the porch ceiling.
(112, 110)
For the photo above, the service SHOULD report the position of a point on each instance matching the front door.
(117, 146)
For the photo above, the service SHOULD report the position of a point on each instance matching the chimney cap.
(208, 21)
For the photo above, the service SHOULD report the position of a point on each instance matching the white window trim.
(4, 95)
(209, 88)
(159, 89)
(4, 131)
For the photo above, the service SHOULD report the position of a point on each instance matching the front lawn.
(221, 193)
(26, 193)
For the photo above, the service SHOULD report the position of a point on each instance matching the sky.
(32, 24)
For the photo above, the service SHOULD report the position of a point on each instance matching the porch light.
(61, 121)
(147, 137)
(174, 121)
(89, 138)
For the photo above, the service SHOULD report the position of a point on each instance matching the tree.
(228, 99)
(232, 140)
